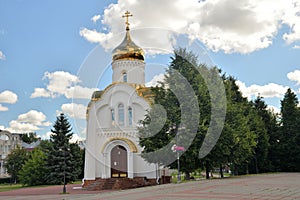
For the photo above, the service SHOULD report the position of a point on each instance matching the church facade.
(112, 143)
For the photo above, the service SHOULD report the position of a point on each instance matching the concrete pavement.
(264, 186)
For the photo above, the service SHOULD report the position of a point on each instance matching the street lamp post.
(64, 188)
(178, 166)
(64, 174)
(176, 148)
(179, 148)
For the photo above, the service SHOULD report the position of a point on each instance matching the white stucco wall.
(135, 71)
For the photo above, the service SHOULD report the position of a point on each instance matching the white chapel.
(112, 144)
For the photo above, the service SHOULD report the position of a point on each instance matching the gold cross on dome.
(127, 15)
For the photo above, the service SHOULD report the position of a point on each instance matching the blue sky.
(53, 54)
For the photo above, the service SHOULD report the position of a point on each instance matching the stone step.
(118, 183)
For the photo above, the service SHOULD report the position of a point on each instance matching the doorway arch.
(119, 164)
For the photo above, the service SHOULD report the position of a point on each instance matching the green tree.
(236, 144)
(81, 175)
(258, 162)
(62, 160)
(175, 126)
(15, 161)
(242, 138)
(266, 140)
(34, 170)
(289, 142)
(76, 160)
(29, 137)
(273, 126)
(238, 129)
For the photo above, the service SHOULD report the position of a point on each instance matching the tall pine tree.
(265, 151)
(289, 142)
(61, 163)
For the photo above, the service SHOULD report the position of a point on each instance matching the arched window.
(112, 111)
(130, 116)
(124, 77)
(121, 114)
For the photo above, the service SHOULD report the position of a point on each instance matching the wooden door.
(118, 162)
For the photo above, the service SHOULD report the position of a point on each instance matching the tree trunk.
(207, 169)
(256, 166)
(221, 171)
(187, 176)
(236, 170)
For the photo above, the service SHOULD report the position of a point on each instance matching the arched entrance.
(118, 162)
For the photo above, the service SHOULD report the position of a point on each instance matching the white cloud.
(59, 81)
(294, 76)
(274, 109)
(21, 127)
(79, 92)
(45, 136)
(2, 56)
(8, 97)
(155, 80)
(267, 91)
(3, 108)
(75, 138)
(296, 47)
(40, 92)
(63, 83)
(28, 122)
(292, 19)
(34, 117)
(95, 18)
(227, 25)
(74, 110)
(96, 37)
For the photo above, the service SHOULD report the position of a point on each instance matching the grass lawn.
(8, 187)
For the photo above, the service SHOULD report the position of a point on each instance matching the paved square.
(264, 186)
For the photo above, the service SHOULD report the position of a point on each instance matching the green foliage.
(34, 170)
(183, 100)
(29, 137)
(51, 161)
(9, 187)
(15, 161)
(76, 161)
(243, 130)
(162, 130)
(288, 144)
(263, 124)
(64, 159)
(238, 140)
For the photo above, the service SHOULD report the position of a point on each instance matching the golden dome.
(127, 50)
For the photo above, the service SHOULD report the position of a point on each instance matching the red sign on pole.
(177, 148)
